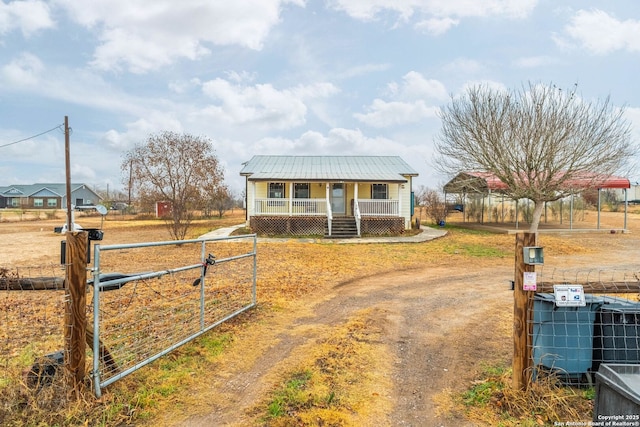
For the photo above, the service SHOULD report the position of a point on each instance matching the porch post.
(355, 196)
(327, 193)
(251, 203)
(329, 213)
(290, 198)
(400, 201)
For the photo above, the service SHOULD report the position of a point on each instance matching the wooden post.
(75, 307)
(522, 314)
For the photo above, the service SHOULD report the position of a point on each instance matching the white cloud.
(28, 16)
(28, 74)
(370, 9)
(464, 66)
(489, 84)
(337, 140)
(437, 26)
(601, 33)
(183, 86)
(139, 130)
(262, 104)
(23, 71)
(139, 35)
(408, 104)
(362, 70)
(384, 114)
(535, 61)
(415, 86)
(633, 115)
(141, 52)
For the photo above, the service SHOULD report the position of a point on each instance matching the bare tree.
(436, 207)
(217, 198)
(539, 141)
(222, 200)
(432, 203)
(173, 168)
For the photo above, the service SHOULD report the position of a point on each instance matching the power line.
(31, 137)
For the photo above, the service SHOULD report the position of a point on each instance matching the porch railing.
(321, 207)
(374, 207)
(291, 207)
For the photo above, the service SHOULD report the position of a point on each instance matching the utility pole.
(67, 162)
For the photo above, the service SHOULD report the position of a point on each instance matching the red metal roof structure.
(486, 183)
(472, 182)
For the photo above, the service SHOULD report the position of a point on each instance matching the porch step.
(342, 227)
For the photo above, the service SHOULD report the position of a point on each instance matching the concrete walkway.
(426, 234)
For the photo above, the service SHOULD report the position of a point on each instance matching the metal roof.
(44, 190)
(482, 181)
(327, 168)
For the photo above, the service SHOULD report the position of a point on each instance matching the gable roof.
(327, 168)
(42, 190)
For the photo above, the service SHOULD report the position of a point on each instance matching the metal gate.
(151, 298)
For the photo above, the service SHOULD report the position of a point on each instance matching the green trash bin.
(563, 336)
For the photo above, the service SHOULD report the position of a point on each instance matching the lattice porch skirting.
(382, 225)
(286, 225)
(315, 225)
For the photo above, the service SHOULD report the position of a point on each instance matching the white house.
(329, 195)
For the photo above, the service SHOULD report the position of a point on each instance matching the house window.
(52, 203)
(301, 190)
(13, 202)
(379, 191)
(276, 190)
(38, 203)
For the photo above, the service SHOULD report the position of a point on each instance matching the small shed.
(163, 209)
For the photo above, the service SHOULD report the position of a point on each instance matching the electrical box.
(533, 255)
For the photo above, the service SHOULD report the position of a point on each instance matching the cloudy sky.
(312, 77)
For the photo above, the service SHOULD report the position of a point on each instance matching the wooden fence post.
(522, 314)
(75, 307)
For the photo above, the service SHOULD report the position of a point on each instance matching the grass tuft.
(491, 400)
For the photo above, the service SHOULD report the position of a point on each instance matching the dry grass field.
(344, 334)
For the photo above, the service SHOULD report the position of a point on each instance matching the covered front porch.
(327, 208)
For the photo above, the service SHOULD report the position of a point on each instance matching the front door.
(337, 199)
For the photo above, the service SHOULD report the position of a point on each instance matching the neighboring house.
(46, 196)
(330, 195)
